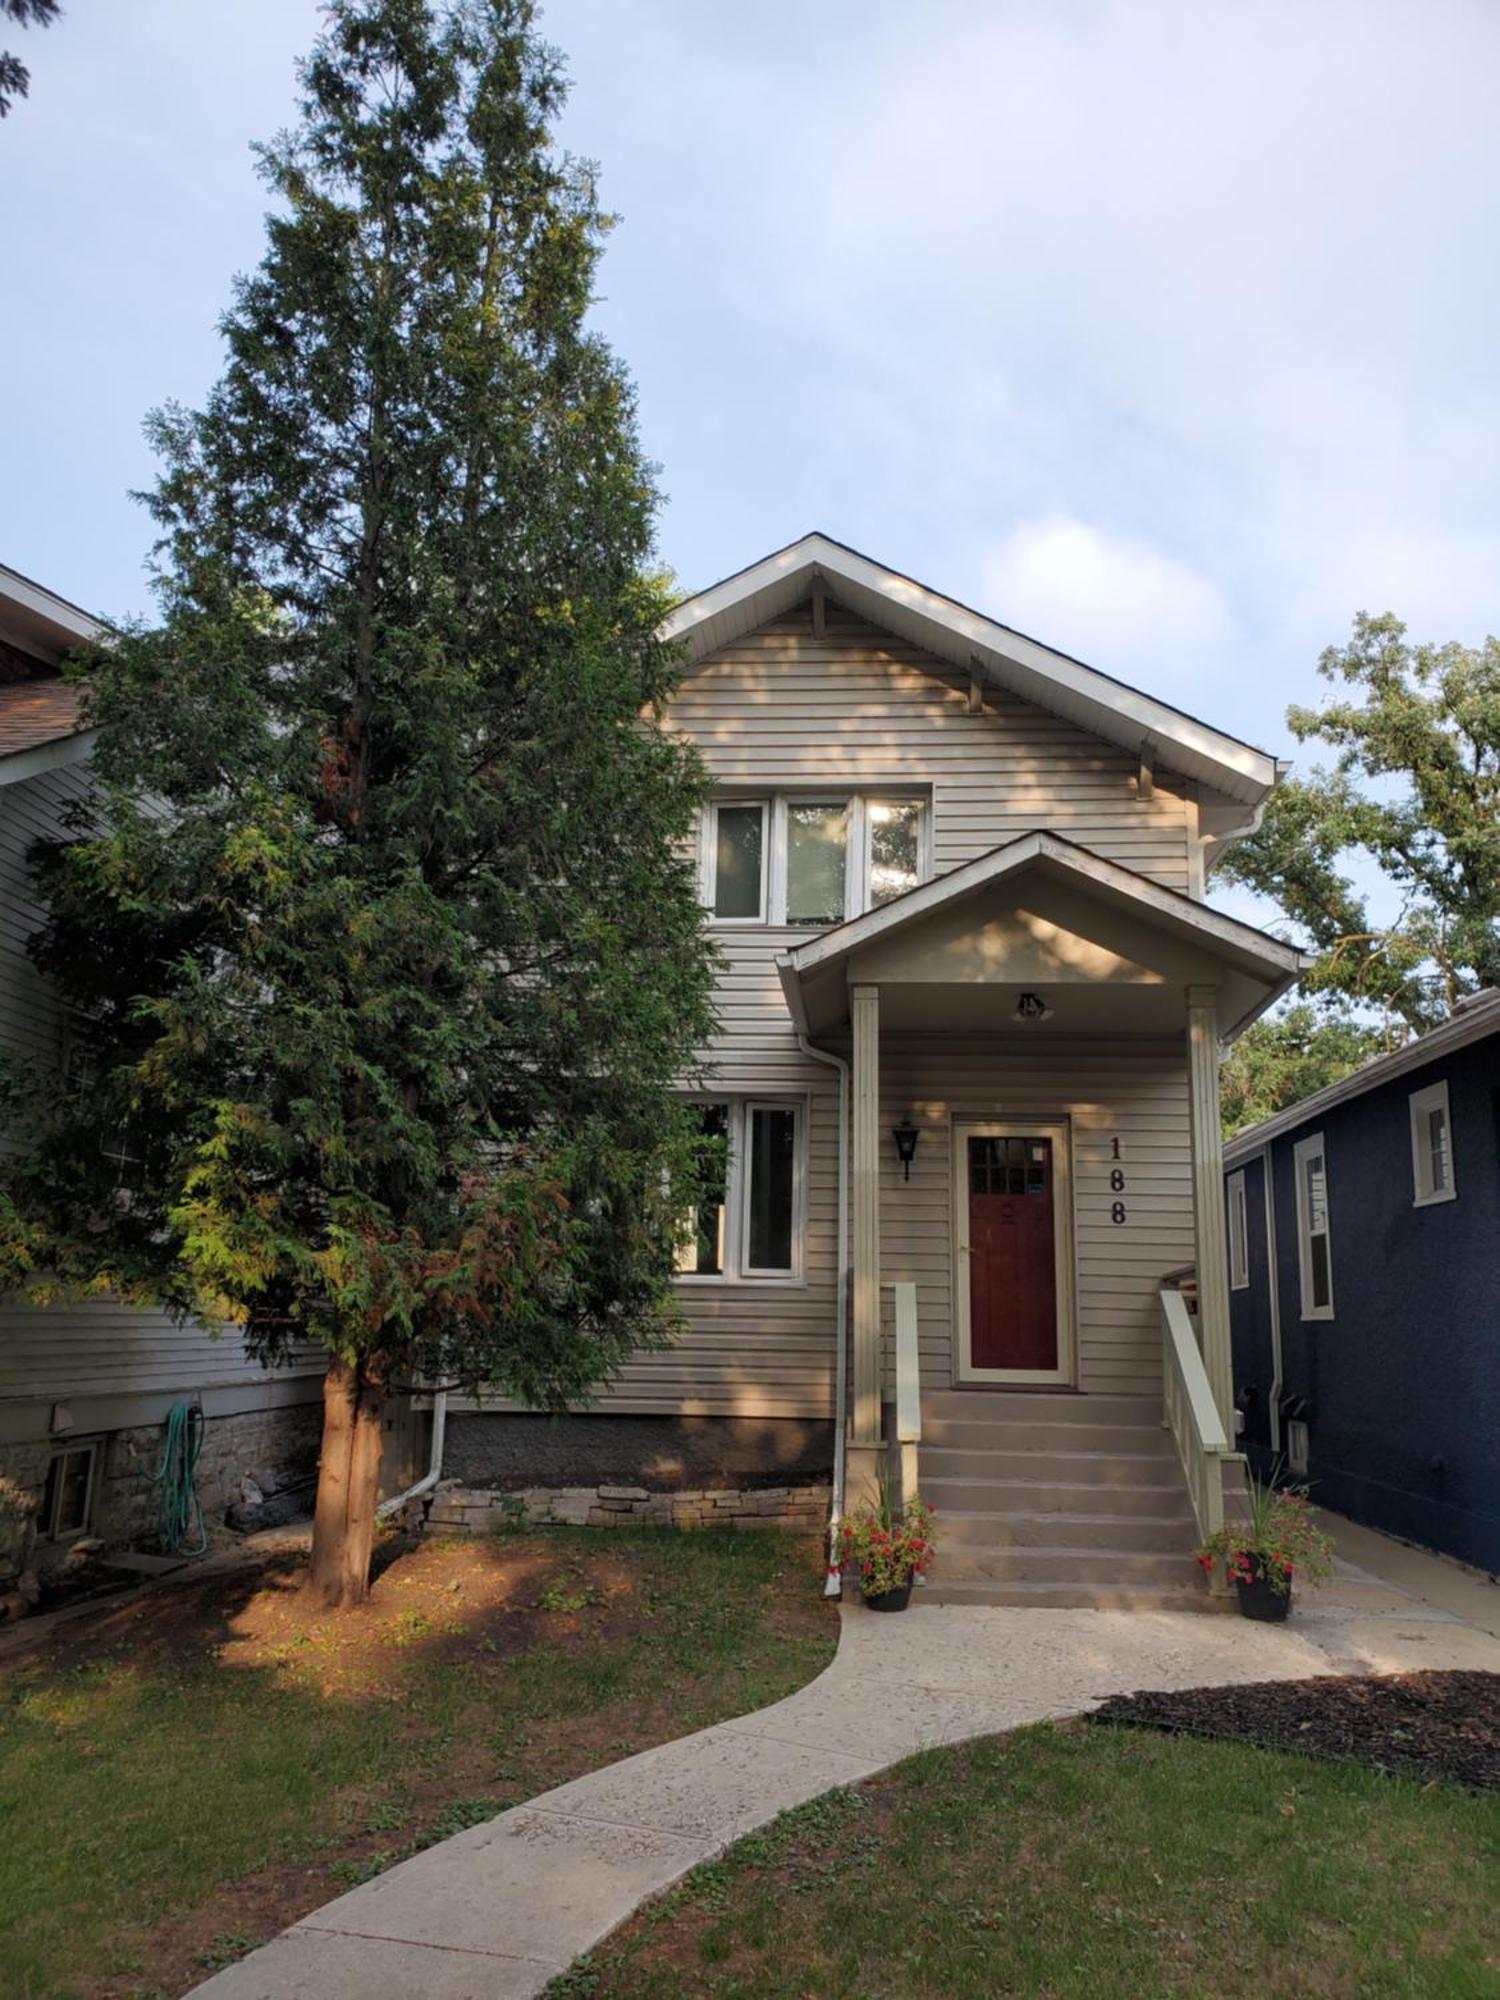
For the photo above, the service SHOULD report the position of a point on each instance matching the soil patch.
(1422, 1725)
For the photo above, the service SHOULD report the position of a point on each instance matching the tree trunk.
(348, 1480)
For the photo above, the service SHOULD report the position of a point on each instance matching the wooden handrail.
(1192, 1416)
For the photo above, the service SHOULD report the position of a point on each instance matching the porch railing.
(908, 1385)
(1191, 1413)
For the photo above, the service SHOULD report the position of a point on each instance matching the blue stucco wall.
(1403, 1384)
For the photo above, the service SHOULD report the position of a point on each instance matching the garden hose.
(181, 1520)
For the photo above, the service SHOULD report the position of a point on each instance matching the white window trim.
(774, 844)
(1239, 1234)
(737, 1194)
(48, 1531)
(1418, 1106)
(1304, 1150)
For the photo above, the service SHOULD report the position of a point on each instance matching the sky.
(1163, 330)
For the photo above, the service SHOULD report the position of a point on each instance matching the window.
(808, 861)
(68, 1500)
(750, 1223)
(1314, 1245)
(1431, 1146)
(1239, 1238)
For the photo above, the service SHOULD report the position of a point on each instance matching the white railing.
(908, 1385)
(1191, 1413)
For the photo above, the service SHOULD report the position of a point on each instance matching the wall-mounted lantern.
(906, 1136)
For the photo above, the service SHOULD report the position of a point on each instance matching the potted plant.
(887, 1545)
(1264, 1553)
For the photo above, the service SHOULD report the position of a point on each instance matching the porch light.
(906, 1136)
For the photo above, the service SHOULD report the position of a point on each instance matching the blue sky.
(1163, 331)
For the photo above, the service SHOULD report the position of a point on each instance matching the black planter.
(1259, 1599)
(890, 1600)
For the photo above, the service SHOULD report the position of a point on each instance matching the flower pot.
(1258, 1597)
(890, 1600)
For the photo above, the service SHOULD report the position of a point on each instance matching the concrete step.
(1121, 1569)
(945, 1464)
(1069, 1597)
(1142, 1534)
(1040, 1434)
(999, 1497)
(999, 1406)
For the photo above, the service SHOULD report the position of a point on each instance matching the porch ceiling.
(1107, 951)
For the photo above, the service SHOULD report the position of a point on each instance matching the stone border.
(470, 1510)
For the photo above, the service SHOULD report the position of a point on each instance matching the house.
(85, 1388)
(1364, 1252)
(972, 1000)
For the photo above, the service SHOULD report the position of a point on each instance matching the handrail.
(1192, 1416)
(908, 1369)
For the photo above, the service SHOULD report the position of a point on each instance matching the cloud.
(1112, 600)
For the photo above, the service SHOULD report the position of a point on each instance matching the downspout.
(833, 1581)
(434, 1470)
(1273, 1286)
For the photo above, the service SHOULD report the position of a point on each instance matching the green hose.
(181, 1521)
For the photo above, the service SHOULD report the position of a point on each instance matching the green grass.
(1076, 1861)
(134, 1787)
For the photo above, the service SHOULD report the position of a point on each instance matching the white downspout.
(833, 1581)
(434, 1470)
(1273, 1285)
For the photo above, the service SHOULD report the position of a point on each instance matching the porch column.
(864, 1010)
(1208, 1196)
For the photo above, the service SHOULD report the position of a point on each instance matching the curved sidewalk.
(499, 1910)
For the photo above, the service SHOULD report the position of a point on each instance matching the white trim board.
(977, 645)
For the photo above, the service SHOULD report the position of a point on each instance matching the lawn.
(1077, 1860)
(181, 1778)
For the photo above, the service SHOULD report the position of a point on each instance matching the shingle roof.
(37, 712)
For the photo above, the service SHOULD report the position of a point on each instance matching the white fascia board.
(36, 603)
(1119, 713)
(1476, 1021)
(62, 750)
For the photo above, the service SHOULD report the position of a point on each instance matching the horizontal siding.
(98, 1347)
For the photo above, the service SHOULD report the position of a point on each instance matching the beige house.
(972, 1002)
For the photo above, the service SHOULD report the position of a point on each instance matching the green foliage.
(1279, 1537)
(1416, 790)
(1287, 1056)
(886, 1544)
(15, 77)
(381, 942)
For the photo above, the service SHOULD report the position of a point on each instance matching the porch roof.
(1104, 949)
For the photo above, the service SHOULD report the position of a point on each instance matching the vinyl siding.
(96, 1348)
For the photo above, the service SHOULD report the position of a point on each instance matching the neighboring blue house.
(1364, 1253)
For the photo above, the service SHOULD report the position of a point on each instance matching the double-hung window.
(750, 1222)
(1431, 1146)
(1239, 1234)
(806, 861)
(1314, 1243)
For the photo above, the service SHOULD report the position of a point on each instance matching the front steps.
(1056, 1500)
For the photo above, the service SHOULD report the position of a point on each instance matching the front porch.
(1039, 1032)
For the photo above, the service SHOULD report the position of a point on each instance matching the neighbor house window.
(1315, 1246)
(808, 861)
(1239, 1239)
(67, 1503)
(750, 1222)
(1431, 1146)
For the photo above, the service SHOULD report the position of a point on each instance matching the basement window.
(1239, 1237)
(1314, 1243)
(67, 1504)
(750, 1224)
(1431, 1146)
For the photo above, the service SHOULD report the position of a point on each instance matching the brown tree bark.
(338, 1573)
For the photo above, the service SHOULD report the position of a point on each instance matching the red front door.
(1012, 1255)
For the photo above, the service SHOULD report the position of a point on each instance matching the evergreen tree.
(380, 934)
(15, 77)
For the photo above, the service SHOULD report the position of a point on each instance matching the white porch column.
(864, 1008)
(1208, 1196)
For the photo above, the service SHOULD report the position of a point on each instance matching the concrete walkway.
(498, 1911)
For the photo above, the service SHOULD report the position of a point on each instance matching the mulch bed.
(1422, 1725)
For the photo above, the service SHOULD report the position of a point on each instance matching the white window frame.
(1306, 1149)
(737, 1193)
(774, 849)
(1239, 1233)
(47, 1529)
(1419, 1107)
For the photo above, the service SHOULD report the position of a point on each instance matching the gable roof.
(39, 711)
(1268, 962)
(976, 644)
(1476, 1017)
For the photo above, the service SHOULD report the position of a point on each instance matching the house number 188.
(1116, 1184)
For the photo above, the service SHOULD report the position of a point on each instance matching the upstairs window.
(807, 862)
(749, 1224)
(1314, 1243)
(1431, 1146)
(1239, 1235)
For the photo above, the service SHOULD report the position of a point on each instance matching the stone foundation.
(459, 1509)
